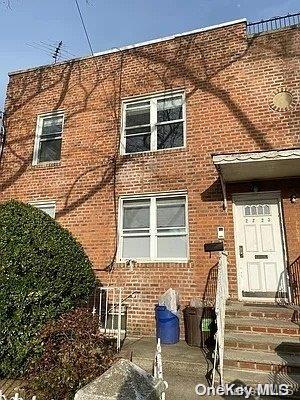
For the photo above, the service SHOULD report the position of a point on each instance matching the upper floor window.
(46, 206)
(154, 123)
(154, 228)
(48, 138)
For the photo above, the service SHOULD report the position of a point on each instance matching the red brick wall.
(228, 80)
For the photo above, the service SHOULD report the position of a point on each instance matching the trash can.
(199, 323)
(192, 324)
(167, 325)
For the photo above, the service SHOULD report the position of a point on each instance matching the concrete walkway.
(183, 366)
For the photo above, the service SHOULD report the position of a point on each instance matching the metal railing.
(158, 368)
(16, 396)
(111, 313)
(222, 296)
(273, 24)
(294, 281)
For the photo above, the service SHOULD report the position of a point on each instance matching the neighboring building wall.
(229, 81)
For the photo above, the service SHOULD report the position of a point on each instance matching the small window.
(153, 228)
(47, 207)
(247, 211)
(48, 138)
(153, 124)
(253, 210)
(266, 209)
(257, 210)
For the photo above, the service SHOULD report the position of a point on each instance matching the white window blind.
(154, 228)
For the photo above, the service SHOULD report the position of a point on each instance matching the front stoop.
(262, 344)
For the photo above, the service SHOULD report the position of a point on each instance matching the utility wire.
(52, 47)
(84, 27)
(48, 52)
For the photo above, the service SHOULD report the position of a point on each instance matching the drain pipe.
(2, 134)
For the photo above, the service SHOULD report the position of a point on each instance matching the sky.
(30, 29)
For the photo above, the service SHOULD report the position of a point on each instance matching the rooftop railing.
(273, 24)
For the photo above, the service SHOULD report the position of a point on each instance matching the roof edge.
(133, 46)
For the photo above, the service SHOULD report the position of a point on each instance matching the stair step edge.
(263, 337)
(252, 378)
(256, 322)
(265, 358)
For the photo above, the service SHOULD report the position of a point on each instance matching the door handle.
(241, 251)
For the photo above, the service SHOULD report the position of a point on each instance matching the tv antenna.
(56, 52)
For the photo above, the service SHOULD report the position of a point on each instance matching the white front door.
(259, 247)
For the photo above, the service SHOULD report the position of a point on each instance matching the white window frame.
(153, 98)
(44, 203)
(38, 132)
(152, 227)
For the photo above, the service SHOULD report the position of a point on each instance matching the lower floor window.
(154, 228)
(47, 207)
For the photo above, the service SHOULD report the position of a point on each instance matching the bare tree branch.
(6, 3)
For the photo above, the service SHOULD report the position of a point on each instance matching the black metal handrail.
(294, 278)
(272, 24)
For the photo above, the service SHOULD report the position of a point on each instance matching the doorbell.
(221, 232)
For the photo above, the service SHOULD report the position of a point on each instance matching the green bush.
(75, 353)
(44, 272)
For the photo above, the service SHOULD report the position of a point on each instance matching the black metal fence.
(294, 277)
(272, 24)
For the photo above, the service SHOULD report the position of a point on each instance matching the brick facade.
(228, 79)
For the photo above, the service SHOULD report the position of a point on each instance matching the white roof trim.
(163, 39)
(270, 155)
(140, 44)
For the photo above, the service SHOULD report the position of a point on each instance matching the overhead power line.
(84, 27)
(55, 52)
(52, 44)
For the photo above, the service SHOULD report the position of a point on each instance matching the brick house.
(143, 152)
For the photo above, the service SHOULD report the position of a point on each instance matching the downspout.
(2, 135)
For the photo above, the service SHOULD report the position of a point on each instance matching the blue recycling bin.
(167, 325)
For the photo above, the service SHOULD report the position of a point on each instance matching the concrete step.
(254, 378)
(263, 342)
(259, 326)
(246, 310)
(261, 361)
(147, 364)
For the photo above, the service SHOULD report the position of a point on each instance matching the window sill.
(162, 261)
(48, 164)
(154, 152)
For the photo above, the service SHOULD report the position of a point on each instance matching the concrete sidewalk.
(183, 366)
